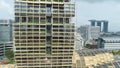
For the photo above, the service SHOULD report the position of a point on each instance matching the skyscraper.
(93, 22)
(43, 33)
(105, 26)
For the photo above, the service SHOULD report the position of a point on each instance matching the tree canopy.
(9, 54)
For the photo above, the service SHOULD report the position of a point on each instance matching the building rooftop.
(91, 52)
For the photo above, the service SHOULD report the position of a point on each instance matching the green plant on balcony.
(48, 21)
(49, 31)
(42, 0)
(49, 0)
(31, 21)
(48, 51)
(48, 42)
(42, 21)
(36, 21)
(42, 45)
(42, 41)
(43, 31)
(55, 21)
(58, 0)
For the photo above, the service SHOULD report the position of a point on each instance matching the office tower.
(105, 26)
(6, 30)
(43, 33)
(93, 22)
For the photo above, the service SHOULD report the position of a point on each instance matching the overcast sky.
(85, 10)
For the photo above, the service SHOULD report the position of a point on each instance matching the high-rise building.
(6, 30)
(93, 22)
(100, 25)
(43, 33)
(103, 24)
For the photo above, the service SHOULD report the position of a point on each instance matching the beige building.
(91, 58)
(44, 33)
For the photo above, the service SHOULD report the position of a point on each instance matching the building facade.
(79, 42)
(43, 33)
(6, 29)
(112, 42)
(89, 32)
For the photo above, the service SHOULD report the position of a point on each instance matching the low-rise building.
(5, 46)
(110, 41)
(91, 58)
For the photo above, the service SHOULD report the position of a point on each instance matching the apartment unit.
(95, 58)
(44, 33)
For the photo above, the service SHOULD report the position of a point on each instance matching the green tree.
(9, 54)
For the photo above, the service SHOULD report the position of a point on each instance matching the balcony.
(42, 21)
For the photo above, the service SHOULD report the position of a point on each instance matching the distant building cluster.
(89, 32)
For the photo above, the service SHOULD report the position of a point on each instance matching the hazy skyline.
(85, 10)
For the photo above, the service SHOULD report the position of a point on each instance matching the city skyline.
(85, 10)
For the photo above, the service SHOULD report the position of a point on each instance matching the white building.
(89, 32)
(79, 42)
